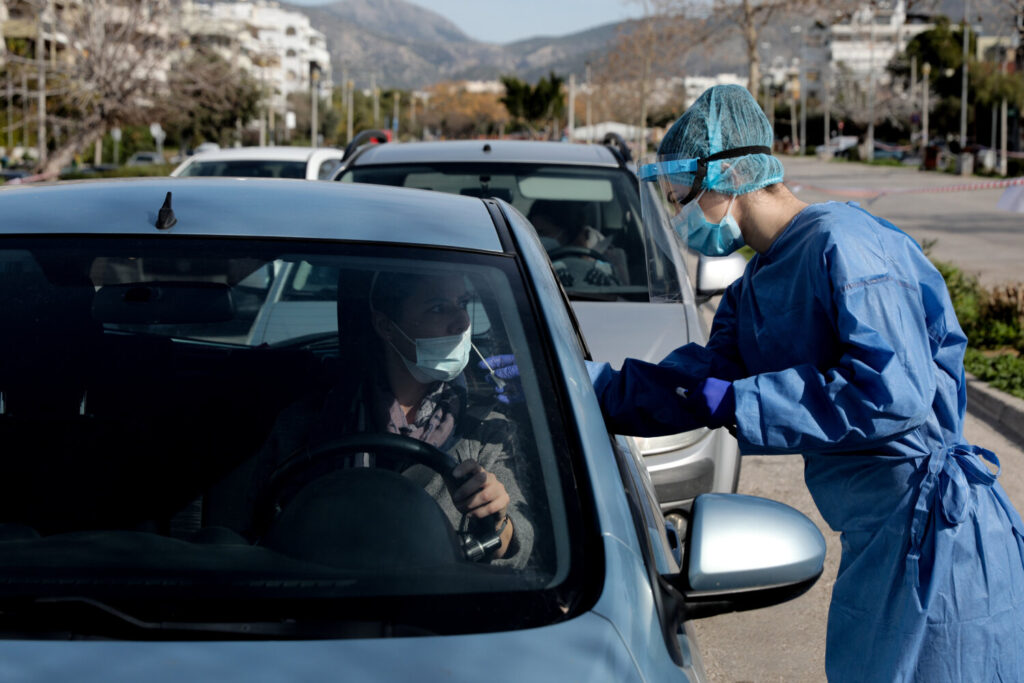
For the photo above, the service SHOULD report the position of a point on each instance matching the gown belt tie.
(945, 493)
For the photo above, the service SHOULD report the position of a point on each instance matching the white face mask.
(438, 359)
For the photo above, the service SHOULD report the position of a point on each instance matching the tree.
(205, 99)
(535, 106)
(112, 72)
(455, 112)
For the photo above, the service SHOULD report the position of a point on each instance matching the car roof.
(244, 207)
(274, 153)
(486, 151)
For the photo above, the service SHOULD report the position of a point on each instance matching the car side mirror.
(715, 273)
(745, 552)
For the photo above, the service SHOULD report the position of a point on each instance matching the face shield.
(671, 184)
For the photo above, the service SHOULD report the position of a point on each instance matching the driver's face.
(437, 308)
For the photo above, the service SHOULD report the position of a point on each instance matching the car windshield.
(199, 435)
(588, 219)
(246, 168)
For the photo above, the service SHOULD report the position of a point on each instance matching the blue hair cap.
(724, 117)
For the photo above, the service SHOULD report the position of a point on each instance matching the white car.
(311, 163)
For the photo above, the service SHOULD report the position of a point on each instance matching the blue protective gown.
(842, 345)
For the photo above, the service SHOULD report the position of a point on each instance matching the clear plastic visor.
(664, 184)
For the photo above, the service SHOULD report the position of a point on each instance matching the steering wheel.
(559, 253)
(326, 458)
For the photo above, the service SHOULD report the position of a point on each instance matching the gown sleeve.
(641, 399)
(882, 382)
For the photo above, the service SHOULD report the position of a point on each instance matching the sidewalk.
(1003, 411)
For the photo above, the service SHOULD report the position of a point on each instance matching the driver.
(573, 245)
(412, 385)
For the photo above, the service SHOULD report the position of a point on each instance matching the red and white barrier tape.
(867, 193)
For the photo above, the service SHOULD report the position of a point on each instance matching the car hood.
(586, 648)
(615, 330)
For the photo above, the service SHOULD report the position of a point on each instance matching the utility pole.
(41, 90)
(24, 106)
(376, 100)
(394, 116)
(590, 129)
(348, 127)
(926, 70)
(10, 113)
(964, 169)
(571, 123)
(870, 142)
(314, 86)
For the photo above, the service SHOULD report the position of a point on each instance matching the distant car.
(135, 404)
(629, 283)
(311, 163)
(9, 174)
(145, 159)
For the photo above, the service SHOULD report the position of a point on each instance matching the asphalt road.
(968, 229)
(787, 642)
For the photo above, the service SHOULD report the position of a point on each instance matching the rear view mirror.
(745, 552)
(160, 303)
(715, 273)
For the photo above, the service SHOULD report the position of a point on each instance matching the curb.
(1005, 411)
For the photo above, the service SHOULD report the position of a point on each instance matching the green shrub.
(1004, 371)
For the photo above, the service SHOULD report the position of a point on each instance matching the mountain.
(408, 46)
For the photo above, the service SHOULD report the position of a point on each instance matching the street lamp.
(314, 88)
(926, 70)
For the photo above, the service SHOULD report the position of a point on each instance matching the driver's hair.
(567, 215)
(388, 289)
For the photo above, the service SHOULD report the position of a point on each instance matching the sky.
(505, 21)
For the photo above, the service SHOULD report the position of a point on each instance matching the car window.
(195, 417)
(327, 168)
(588, 219)
(247, 168)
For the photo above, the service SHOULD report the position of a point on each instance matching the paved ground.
(968, 228)
(787, 642)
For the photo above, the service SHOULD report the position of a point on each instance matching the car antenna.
(165, 218)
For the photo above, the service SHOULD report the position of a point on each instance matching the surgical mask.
(710, 239)
(438, 359)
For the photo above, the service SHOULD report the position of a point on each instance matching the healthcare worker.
(839, 342)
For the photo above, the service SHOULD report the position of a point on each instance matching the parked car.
(145, 159)
(135, 409)
(628, 282)
(311, 163)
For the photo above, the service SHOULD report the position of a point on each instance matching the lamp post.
(966, 165)
(314, 94)
(926, 70)
(590, 131)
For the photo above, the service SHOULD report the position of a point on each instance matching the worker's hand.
(503, 373)
(713, 399)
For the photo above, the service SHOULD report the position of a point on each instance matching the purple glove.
(503, 373)
(720, 402)
(714, 400)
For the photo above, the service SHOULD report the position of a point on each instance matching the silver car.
(145, 535)
(629, 283)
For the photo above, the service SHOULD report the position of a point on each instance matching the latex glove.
(503, 373)
(714, 400)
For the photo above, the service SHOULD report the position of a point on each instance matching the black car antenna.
(165, 218)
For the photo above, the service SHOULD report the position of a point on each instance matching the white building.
(277, 46)
(868, 41)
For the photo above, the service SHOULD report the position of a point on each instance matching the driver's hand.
(479, 493)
